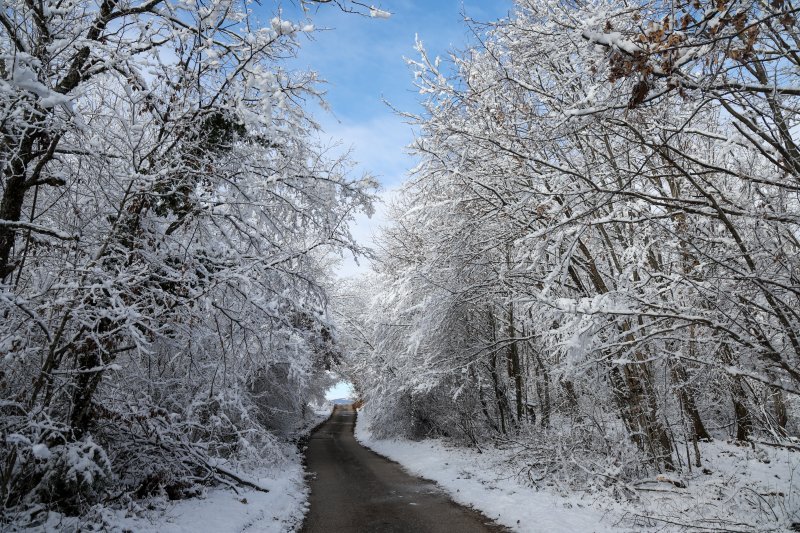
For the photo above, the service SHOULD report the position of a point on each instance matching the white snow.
(222, 510)
(282, 27)
(612, 39)
(218, 509)
(740, 487)
(41, 451)
(374, 12)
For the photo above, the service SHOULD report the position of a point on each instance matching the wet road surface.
(355, 490)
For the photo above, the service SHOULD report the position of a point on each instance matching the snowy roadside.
(221, 510)
(218, 509)
(485, 482)
(225, 511)
(748, 488)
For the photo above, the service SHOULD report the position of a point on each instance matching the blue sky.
(361, 59)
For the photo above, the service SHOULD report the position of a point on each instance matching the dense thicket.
(598, 254)
(164, 226)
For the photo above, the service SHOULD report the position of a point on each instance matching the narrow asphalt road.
(356, 490)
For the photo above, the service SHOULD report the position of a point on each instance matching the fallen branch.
(702, 527)
(791, 447)
(198, 459)
(237, 478)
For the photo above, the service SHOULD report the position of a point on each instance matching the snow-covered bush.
(75, 475)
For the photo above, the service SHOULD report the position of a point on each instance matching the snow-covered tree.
(598, 251)
(165, 224)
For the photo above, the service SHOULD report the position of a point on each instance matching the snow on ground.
(748, 488)
(223, 511)
(218, 509)
(320, 413)
(739, 487)
(485, 482)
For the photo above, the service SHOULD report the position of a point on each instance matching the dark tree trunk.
(500, 397)
(514, 366)
(543, 390)
(12, 201)
(781, 415)
(744, 421)
(686, 397)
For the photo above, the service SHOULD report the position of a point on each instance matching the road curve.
(356, 490)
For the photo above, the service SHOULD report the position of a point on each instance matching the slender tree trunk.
(544, 390)
(500, 398)
(632, 385)
(90, 373)
(744, 420)
(569, 391)
(12, 201)
(642, 410)
(483, 402)
(686, 397)
(514, 366)
(781, 415)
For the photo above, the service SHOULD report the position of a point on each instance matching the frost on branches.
(164, 225)
(597, 259)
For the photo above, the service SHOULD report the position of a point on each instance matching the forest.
(166, 227)
(595, 262)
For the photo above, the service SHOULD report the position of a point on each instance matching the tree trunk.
(744, 421)
(89, 375)
(781, 415)
(686, 397)
(500, 398)
(643, 411)
(514, 367)
(632, 387)
(544, 390)
(483, 402)
(12, 201)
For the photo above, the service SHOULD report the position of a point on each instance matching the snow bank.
(739, 487)
(219, 509)
(223, 511)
